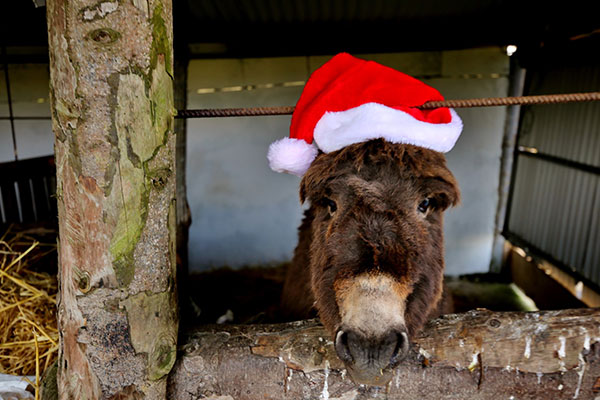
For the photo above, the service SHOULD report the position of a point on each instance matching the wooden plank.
(41, 198)
(26, 200)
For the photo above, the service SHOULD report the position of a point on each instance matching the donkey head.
(376, 255)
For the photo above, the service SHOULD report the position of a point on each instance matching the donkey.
(370, 252)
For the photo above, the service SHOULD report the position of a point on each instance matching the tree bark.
(111, 90)
(476, 355)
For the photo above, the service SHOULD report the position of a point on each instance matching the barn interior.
(527, 234)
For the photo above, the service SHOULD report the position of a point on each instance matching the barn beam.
(475, 355)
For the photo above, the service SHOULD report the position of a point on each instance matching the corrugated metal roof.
(314, 11)
(300, 27)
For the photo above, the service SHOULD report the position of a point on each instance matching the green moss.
(160, 41)
(161, 96)
(159, 177)
(162, 360)
(49, 388)
(124, 265)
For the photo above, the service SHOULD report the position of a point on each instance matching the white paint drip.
(424, 353)
(461, 343)
(325, 393)
(289, 379)
(560, 387)
(539, 376)
(561, 350)
(562, 353)
(527, 352)
(397, 378)
(580, 372)
(474, 362)
(586, 342)
(540, 328)
(579, 290)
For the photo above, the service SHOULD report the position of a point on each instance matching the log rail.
(475, 355)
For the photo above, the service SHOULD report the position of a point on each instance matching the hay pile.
(28, 286)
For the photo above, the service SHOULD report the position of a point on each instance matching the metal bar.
(509, 140)
(465, 103)
(9, 100)
(24, 118)
(533, 153)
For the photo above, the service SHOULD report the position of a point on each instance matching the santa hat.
(349, 100)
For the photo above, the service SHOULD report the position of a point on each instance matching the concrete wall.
(245, 214)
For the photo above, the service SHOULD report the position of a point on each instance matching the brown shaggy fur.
(376, 188)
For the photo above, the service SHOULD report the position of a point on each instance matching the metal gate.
(554, 202)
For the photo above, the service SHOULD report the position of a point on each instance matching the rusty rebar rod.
(465, 103)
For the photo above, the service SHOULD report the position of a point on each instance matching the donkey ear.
(439, 180)
(452, 191)
(447, 190)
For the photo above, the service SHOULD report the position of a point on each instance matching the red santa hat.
(349, 100)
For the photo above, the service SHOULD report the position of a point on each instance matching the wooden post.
(475, 355)
(111, 68)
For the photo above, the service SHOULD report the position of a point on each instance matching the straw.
(28, 286)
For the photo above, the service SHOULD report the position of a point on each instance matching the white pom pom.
(293, 156)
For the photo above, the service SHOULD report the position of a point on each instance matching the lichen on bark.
(143, 123)
(152, 330)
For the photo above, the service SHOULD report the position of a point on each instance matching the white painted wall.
(29, 86)
(245, 214)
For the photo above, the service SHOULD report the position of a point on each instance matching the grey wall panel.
(570, 131)
(555, 208)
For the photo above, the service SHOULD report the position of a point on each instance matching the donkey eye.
(331, 205)
(425, 205)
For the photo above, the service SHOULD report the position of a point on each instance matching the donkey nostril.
(401, 348)
(341, 346)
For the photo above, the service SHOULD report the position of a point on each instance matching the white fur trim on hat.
(336, 130)
(293, 156)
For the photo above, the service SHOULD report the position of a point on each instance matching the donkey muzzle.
(370, 360)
